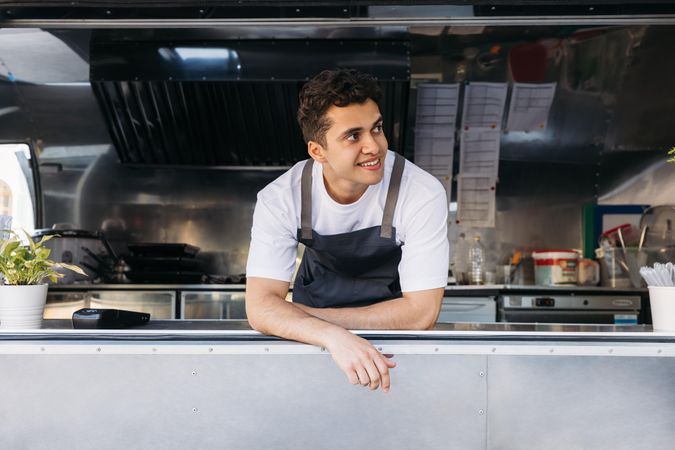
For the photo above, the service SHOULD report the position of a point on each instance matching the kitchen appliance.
(88, 250)
(569, 308)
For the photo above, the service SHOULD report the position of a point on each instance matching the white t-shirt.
(420, 220)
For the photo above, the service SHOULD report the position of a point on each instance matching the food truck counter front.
(219, 384)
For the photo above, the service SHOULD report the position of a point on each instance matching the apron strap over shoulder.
(306, 200)
(392, 197)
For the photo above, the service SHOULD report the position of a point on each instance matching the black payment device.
(92, 318)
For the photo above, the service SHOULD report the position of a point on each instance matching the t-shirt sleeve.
(273, 243)
(425, 252)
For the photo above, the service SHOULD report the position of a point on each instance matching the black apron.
(348, 269)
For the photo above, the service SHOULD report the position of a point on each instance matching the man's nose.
(369, 144)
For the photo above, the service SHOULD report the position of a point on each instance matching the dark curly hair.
(339, 87)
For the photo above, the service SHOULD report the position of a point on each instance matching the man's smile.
(371, 164)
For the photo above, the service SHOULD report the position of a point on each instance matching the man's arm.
(414, 311)
(269, 313)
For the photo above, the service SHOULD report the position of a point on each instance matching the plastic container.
(555, 267)
(589, 272)
(616, 264)
(476, 262)
(662, 302)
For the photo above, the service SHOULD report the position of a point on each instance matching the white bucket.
(22, 307)
(555, 267)
(662, 301)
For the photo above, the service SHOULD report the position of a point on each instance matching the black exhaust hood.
(75, 10)
(188, 102)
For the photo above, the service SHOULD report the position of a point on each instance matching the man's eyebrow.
(358, 129)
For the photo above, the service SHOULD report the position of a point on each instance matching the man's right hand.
(360, 361)
(269, 313)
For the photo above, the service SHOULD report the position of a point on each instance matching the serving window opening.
(17, 194)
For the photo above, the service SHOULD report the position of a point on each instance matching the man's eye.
(353, 137)
(378, 128)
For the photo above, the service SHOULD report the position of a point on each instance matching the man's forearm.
(396, 314)
(277, 317)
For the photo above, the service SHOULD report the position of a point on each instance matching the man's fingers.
(364, 379)
(352, 377)
(373, 374)
(381, 364)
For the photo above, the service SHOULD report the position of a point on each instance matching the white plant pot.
(22, 307)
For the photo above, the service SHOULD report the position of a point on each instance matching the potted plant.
(24, 268)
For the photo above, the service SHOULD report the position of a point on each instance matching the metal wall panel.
(581, 402)
(237, 401)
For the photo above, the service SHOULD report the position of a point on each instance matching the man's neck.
(343, 191)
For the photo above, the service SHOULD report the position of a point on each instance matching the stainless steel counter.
(219, 384)
(240, 329)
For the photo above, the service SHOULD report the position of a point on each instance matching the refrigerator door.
(213, 305)
(159, 304)
(468, 309)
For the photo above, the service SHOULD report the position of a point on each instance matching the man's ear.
(316, 151)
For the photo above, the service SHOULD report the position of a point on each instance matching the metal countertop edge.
(254, 337)
(483, 289)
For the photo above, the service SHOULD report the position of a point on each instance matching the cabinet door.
(160, 304)
(213, 305)
(62, 305)
(468, 309)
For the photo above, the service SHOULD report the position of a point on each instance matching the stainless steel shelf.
(147, 287)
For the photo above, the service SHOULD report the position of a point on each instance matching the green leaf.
(30, 241)
(45, 239)
(8, 247)
(42, 253)
(72, 267)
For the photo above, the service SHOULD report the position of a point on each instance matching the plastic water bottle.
(461, 260)
(476, 262)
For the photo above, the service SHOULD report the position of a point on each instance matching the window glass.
(17, 205)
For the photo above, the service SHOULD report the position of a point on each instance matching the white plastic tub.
(554, 267)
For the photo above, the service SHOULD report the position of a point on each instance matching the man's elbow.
(254, 319)
(424, 321)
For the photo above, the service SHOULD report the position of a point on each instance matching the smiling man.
(374, 228)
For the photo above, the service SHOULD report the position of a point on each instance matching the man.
(374, 228)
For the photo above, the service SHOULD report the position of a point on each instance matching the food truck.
(136, 136)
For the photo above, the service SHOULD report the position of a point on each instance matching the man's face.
(355, 146)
